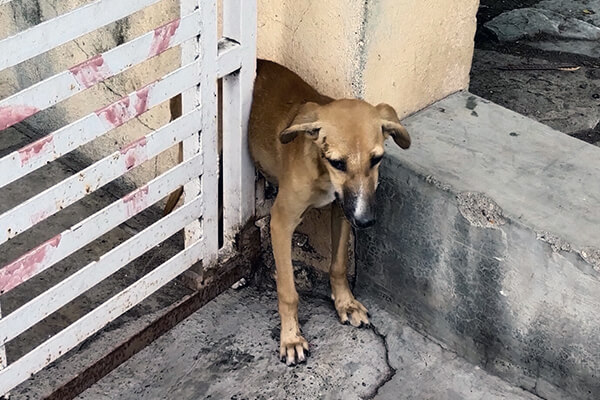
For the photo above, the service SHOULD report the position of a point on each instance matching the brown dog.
(316, 150)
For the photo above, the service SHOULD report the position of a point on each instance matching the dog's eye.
(375, 160)
(338, 164)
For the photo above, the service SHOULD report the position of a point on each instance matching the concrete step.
(229, 350)
(489, 241)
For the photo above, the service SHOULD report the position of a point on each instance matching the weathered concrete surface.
(529, 80)
(552, 25)
(487, 236)
(228, 350)
(564, 100)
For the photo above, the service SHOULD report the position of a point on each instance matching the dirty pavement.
(542, 59)
(228, 350)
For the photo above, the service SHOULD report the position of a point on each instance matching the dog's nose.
(363, 223)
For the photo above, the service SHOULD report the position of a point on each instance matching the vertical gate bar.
(191, 146)
(239, 24)
(3, 361)
(208, 137)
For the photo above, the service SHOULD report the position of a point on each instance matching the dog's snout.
(363, 223)
(359, 208)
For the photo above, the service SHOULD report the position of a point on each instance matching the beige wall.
(408, 53)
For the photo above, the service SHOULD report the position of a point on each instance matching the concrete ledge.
(488, 240)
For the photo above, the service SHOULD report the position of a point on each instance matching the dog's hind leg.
(349, 309)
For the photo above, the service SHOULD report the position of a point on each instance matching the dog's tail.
(176, 112)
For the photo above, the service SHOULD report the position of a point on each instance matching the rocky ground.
(542, 59)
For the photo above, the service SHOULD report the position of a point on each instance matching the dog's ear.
(306, 121)
(391, 126)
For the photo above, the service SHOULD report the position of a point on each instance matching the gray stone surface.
(528, 23)
(486, 223)
(558, 26)
(228, 350)
(568, 101)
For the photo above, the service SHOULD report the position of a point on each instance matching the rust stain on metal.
(26, 266)
(141, 105)
(117, 113)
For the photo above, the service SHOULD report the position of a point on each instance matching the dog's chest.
(324, 197)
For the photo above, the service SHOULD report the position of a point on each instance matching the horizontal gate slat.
(64, 28)
(59, 87)
(91, 323)
(37, 154)
(52, 200)
(230, 57)
(66, 243)
(67, 290)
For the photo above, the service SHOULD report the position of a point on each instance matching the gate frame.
(205, 58)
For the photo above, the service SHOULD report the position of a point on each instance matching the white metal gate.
(205, 58)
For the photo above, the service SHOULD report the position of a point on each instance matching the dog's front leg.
(285, 217)
(345, 303)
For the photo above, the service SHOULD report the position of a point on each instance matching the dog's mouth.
(349, 214)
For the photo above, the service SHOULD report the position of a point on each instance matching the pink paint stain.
(36, 149)
(136, 201)
(141, 104)
(117, 113)
(27, 266)
(90, 72)
(162, 37)
(135, 153)
(39, 216)
(10, 115)
(121, 111)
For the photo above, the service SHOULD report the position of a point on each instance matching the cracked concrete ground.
(228, 350)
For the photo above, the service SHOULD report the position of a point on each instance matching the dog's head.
(350, 136)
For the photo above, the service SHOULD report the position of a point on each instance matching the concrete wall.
(488, 242)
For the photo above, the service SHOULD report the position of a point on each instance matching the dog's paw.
(293, 349)
(353, 312)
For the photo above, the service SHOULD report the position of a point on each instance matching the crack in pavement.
(391, 370)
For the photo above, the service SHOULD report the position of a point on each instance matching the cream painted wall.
(409, 53)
